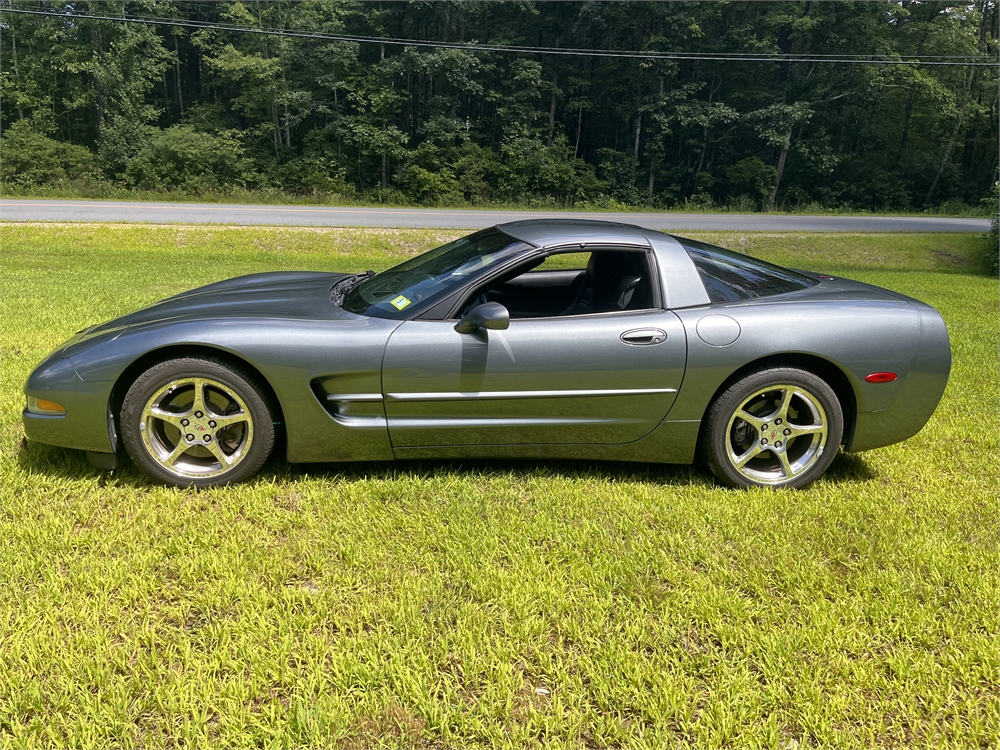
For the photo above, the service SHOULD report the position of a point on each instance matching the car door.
(602, 378)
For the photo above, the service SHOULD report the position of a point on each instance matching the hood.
(282, 294)
(291, 295)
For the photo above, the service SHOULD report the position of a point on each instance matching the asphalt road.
(330, 216)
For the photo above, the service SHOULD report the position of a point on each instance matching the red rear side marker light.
(881, 377)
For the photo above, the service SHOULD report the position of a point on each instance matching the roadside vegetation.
(874, 106)
(493, 604)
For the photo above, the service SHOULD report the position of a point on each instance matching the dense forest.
(864, 105)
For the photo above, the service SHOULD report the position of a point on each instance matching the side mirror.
(489, 315)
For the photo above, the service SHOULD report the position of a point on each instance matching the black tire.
(774, 427)
(181, 440)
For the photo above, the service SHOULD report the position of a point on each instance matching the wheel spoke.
(755, 450)
(786, 400)
(230, 419)
(217, 451)
(179, 450)
(808, 429)
(167, 416)
(750, 419)
(786, 467)
(199, 397)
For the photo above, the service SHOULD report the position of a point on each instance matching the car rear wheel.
(777, 427)
(197, 422)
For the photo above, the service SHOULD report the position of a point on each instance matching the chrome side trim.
(365, 422)
(490, 395)
(423, 423)
(354, 397)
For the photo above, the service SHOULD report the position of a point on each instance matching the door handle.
(644, 336)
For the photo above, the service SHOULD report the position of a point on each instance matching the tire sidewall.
(160, 375)
(715, 445)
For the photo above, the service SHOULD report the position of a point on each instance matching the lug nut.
(777, 444)
(198, 414)
(778, 420)
(185, 422)
(211, 423)
(763, 441)
(787, 431)
(763, 427)
(207, 438)
(189, 436)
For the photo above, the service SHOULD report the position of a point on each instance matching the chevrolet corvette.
(535, 339)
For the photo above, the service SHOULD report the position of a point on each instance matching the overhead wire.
(936, 60)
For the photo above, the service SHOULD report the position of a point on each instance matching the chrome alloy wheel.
(196, 428)
(777, 434)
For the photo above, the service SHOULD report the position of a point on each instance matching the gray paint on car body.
(326, 366)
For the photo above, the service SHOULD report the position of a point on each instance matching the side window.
(564, 262)
(573, 283)
(729, 276)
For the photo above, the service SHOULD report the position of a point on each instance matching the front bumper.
(86, 424)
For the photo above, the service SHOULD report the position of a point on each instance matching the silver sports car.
(541, 339)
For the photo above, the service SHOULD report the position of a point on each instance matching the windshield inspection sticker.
(400, 302)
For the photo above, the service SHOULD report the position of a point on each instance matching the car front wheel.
(776, 427)
(197, 422)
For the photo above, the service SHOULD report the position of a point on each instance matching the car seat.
(615, 280)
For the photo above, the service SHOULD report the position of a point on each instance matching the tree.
(338, 115)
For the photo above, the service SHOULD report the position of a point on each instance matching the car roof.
(548, 232)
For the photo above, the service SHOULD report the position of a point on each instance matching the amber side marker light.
(43, 406)
(881, 377)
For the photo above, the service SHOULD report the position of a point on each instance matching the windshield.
(421, 280)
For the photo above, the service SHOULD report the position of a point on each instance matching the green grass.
(482, 604)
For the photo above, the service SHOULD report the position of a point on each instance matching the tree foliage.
(209, 109)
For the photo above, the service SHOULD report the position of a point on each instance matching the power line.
(939, 60)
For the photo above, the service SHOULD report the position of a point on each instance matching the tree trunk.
(652, 167)
(638, 141)
(552, 111)
(288, 131)
(781, 169)
(579, 122)
(96, 43)
(276, 130)
(177, 77)
(13, 47)
(552, 105)
(385, 156)
(385, 164)
(909, 104)
(954, 137)
(704, 135)
(906, 123)
(701, 156)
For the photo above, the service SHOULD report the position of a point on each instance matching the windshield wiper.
(342, 288)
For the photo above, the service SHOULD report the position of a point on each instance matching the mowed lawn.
(493, 604)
